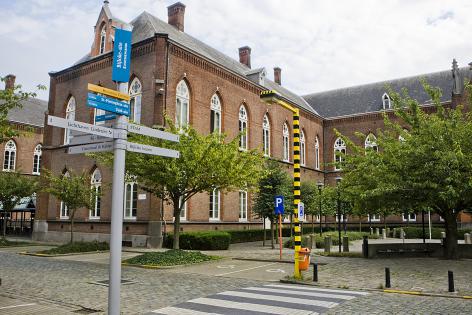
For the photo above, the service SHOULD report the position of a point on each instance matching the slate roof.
(368, 98)
(32, 112)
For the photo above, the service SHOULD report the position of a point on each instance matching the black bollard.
(315, 272)
(387, 278)
(365, 246)
(450, 278)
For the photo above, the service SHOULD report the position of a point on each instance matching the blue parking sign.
(279, 205)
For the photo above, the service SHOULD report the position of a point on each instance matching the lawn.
(77, 247)
(171, 257)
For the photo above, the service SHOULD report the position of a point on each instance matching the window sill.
(214, 220)
(94, 218)
(64, 218)
(129, 219)
(242, 220)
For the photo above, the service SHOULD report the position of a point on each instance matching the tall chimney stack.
(245, 56)
(175, 15)
(278, 75)
(10, 82)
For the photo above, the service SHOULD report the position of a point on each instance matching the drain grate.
(106, 282)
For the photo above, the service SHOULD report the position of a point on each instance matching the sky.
(320, 45)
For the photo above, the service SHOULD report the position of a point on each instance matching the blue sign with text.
(105, 117)
(108, 104)
(121, 56)
(279, 205)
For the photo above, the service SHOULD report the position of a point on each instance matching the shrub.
(205, 240)
(170, 258)
(417, 232)
(319, 240)
(77, 247)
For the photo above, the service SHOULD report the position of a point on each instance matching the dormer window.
(386, 101)
(103, 37)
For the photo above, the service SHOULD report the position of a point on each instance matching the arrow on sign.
(80, 126)
(147, 149)
(89, 148)
(146, 131)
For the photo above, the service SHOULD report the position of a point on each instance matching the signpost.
(105, 117)
(279, 209)
(108, 104)
(92, 147)
(121, 55)
(80, 126)
(87, 138)
(146, 131)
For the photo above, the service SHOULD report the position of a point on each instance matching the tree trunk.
(264, 227)
(360, 224)
(175, 244)
(450, 244)
(272, 234)
(4, 232)
(72, 230)
(313, 224)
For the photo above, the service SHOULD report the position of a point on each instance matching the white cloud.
(319, 45)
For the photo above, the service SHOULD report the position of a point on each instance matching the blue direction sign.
(105, 117)
(279, 205)
(108, 104)
(121, 56)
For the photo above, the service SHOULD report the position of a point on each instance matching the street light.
(320, 187)
(338, 197)
(272, 97)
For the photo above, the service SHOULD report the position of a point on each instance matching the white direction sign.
(147, 149)
(80, 126)
(86, 139)
(155, 133)
(90, 148)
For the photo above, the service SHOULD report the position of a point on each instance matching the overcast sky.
(320, 45)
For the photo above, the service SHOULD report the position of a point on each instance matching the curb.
(60, 255)
(169, 267)
(405, 292)
(270, 260)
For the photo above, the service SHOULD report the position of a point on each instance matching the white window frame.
(135, 103)
(37, 159)
(386, 103)
(243, 129)
(243, 213)
(215, 114)
(70, 115)
(339, 146)
(182, 105)
(103, 40)
(317, 153)
(214, 213)
(183, 212)
(286, 143)
(266, 135)
(409, 217)
(96, 184)
(371, 142)
(373, 218)
(128, 202)
(9, 156)
(342, 218)
(302, 149)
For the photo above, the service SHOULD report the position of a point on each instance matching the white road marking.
(308, 288)
(227, 273)
(276, 270)
(226, 267)
(14, 306)
(294, 291)
(181, 311)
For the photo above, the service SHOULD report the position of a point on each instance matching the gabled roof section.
(368, 98)
(32, 112)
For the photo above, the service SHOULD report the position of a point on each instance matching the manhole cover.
(106, 282)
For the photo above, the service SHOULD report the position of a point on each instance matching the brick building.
(23, 154)
(175, 74)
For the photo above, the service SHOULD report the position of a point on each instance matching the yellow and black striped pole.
(271, 97)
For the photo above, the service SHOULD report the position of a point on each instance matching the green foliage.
(340, 254)
(6, 243)
(13, 187)
(205, 240)
(10, 99)
(171, 257)
(319, 240)
(417, 232)
(77, 247)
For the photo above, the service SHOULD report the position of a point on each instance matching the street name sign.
(80, 126)
(108, 104)
(109, 92)
(147, 149)
(279, 205)
(121, 56)
(90, 148)
(86, 139)
(105, 117)
(155, 133)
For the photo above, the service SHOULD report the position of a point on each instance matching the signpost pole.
(280, 235)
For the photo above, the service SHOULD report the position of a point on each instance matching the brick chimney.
(245, 56)
(175, 15)
(10, 82)
(278, 75)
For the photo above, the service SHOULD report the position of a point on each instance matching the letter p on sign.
(279, 205)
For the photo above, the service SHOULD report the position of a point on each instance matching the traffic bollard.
(387, 278)
(315, 272)
(450, 278)
(345, 243)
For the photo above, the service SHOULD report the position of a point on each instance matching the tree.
(424, 161)
(73, 190)
(9, 99)
(13, 187)
(275, 182)
(206, 162)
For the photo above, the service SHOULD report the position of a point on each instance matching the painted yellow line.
(402, 292)
(467, 297)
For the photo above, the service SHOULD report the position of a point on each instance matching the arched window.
(182, 105)
(339, 151)
(215, 114)
(135, 93)
(103, 37)
(131, 200)
(266, 135)
(64, 211)
(9, 157)
(317, 153)
(386, 101)
(243, 127)
(371, 142)
(37, 159)
(215, 205)
(96, 183)
(70, 115)
(302, 148)
(286, 143)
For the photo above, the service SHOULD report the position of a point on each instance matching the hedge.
(205, 240)
(417, 232)
(319, 240)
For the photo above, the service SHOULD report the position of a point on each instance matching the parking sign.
(301, 211)
(279, 205)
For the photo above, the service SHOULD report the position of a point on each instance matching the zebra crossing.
(281, 299)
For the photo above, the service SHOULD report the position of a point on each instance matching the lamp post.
(272, 97)
(320, 186)
(338, 201)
